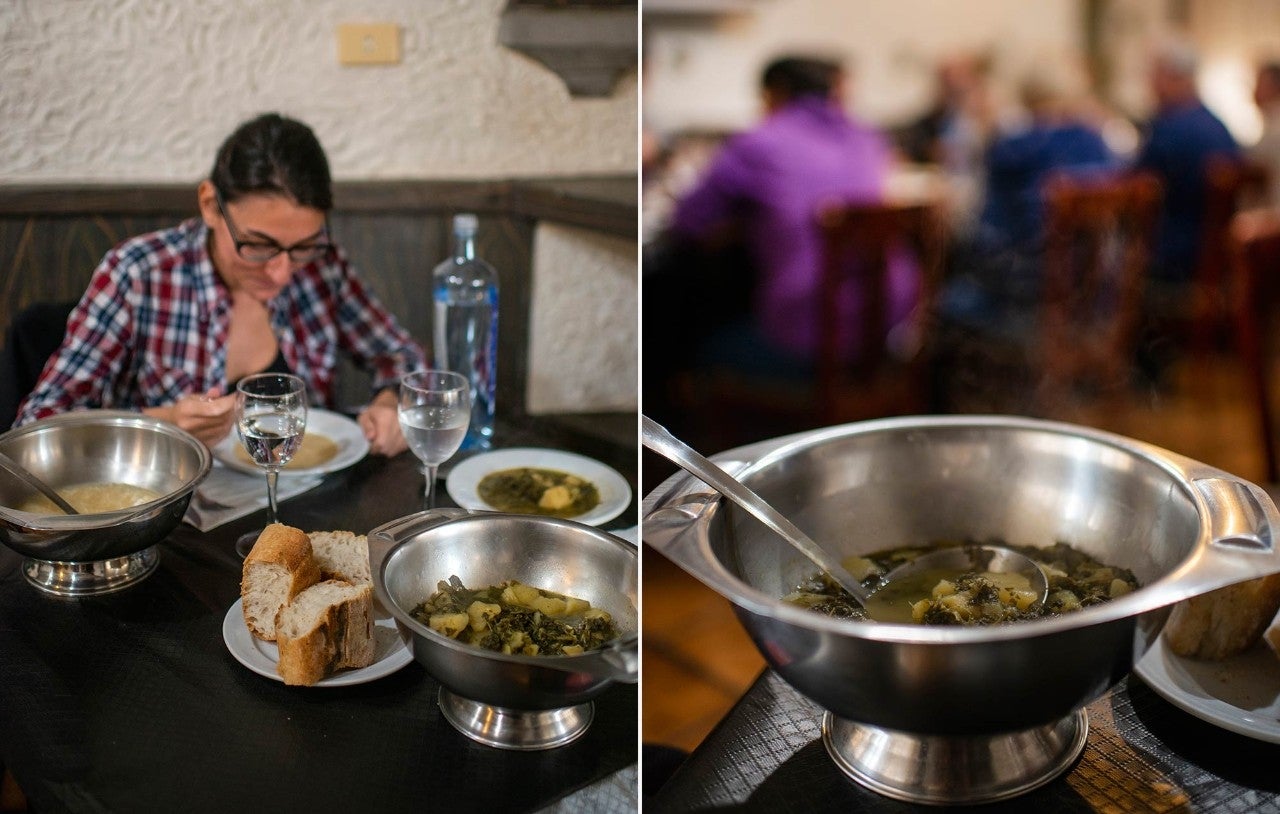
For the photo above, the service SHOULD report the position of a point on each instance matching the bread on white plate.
(326, 628)
(1222, 623)
(279, 567)
(342, 555)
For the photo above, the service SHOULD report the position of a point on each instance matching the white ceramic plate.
(1240, 694)
(391, 650)
(615, 492)
(352, 445)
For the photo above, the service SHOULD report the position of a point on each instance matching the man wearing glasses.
(173, 319)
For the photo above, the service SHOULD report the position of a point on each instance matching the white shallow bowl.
(352, 445)
(615, 492)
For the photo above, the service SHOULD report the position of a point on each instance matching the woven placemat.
(1142, 754)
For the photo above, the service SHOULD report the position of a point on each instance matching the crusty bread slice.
(325, 628)
(342, 555)
(1224, 622)
(279, 567)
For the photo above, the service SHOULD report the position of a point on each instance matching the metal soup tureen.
(510, 701)
(997, 710)
(87, 554)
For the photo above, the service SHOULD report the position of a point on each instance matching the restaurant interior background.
(701, 68)
(113, 111)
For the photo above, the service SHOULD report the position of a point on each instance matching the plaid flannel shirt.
(152, 327)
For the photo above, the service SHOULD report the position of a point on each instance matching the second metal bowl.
(98, 553)
(510, 701)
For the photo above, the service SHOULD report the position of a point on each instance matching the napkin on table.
(226, 495)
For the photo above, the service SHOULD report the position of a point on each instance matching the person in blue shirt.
(1055, 140)
(996, 277)
(1181, 138)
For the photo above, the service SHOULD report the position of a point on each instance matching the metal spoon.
(23, 474)
(994, 558)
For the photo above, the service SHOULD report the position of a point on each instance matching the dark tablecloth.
(1142, 755)
(132, 702)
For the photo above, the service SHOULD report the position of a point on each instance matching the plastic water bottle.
(466, 326)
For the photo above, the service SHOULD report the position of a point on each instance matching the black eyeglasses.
(260, 251)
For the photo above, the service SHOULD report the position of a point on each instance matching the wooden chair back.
(882, 378)
(1253, 251)
(859, 240)
(1231, 185)
(33, 336)
(1099, 238)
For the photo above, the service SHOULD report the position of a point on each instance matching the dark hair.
(792, 77)
(274, 154)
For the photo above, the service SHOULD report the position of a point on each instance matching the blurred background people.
(1181, 137)
(960, 108)
(995, 276)
(954, 132)
(1266, 94)
(767, 186)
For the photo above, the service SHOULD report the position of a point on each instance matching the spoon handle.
(657, 438)
(20, 472)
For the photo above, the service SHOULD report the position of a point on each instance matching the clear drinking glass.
(271, 418)
(435, 409)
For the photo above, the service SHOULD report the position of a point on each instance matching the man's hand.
(208, 417)
(381, 425)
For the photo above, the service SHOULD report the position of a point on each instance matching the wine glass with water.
(271, 417)
(435, 409)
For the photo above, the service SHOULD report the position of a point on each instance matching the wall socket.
(368, 44)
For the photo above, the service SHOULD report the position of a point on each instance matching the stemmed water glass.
(271, 417)
(435, 409)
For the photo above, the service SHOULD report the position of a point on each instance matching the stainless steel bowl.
(1182, 527)
(98, 553)
(510, 701)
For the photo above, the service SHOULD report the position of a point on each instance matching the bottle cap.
(465, 223)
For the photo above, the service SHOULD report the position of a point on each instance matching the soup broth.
(93, 498)
(316, 450)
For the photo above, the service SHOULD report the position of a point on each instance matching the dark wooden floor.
(697, 659)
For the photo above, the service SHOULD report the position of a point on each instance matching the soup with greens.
(1075, 579)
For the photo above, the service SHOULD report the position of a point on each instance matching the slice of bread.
(279, 567)
(1224, 622)
(325, 628)
(342, 555)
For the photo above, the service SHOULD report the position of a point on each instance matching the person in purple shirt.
(768, 184)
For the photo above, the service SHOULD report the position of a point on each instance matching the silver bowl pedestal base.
(512, 728)
(938, 770)
(72, 579)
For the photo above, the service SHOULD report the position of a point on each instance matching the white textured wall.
(145, 90)
(582, 341)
